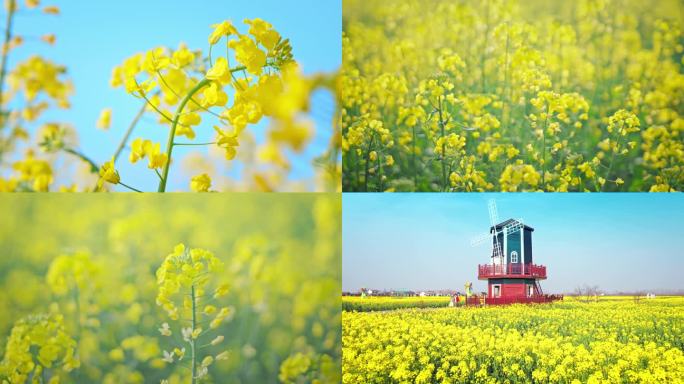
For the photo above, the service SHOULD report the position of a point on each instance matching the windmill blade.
(496, 250)
(493, 213)
(477, 240)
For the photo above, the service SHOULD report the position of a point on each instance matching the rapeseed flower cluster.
(31, 88)
(256, 78)
(38, 349)
(184, 276)
(586, 95)
(253, 79)
(71, 272)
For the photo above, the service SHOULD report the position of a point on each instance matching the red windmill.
(512, 277)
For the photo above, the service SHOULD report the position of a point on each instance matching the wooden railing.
(481, 300)
(488, 271)
(522, 300)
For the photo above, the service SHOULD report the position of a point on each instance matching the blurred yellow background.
(282, 257)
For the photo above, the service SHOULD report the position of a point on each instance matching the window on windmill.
(514, 257)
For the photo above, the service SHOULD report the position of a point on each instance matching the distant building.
(511, 276)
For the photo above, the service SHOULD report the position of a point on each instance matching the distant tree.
(593, 291)
(637, 296)
(586, 292)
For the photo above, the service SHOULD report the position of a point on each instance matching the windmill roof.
(507, 222)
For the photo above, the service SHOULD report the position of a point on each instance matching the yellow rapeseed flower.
(200, 183)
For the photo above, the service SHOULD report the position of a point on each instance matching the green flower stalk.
(73, 277)
(183, 279)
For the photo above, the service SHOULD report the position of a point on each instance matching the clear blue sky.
(618, 241)
(95, 36)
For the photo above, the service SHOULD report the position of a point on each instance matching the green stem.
(172, 132)
(612, 161)
(413, 156)
(77, 301)
(161, 77)
(142, 94)
(483, 58)
(441, 127)
(192, 343)
(380, 183)
(5, 54)
(546, 121)
(544, 160)
(129, 131)
(506, 90)
(333, 152)
(190, 144)
(129, 187)
(357, 170)
(94, 168)
(367, 157)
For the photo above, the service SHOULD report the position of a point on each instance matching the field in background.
(615, 340)
(384, 303)
(387, 303)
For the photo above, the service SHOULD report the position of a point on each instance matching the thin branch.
(179, 96)
(129, 187)
(194, 144)
(164, 115)
(5, 54)
(94, 168)
(129, 131)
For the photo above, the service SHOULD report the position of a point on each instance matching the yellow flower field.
(497, 95)
(357, 303)
(609, 341)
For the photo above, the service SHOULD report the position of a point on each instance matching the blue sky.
(95, 36)
(618, 241)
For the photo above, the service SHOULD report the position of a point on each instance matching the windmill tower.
(512, 277)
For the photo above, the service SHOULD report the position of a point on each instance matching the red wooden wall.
(509, 290)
